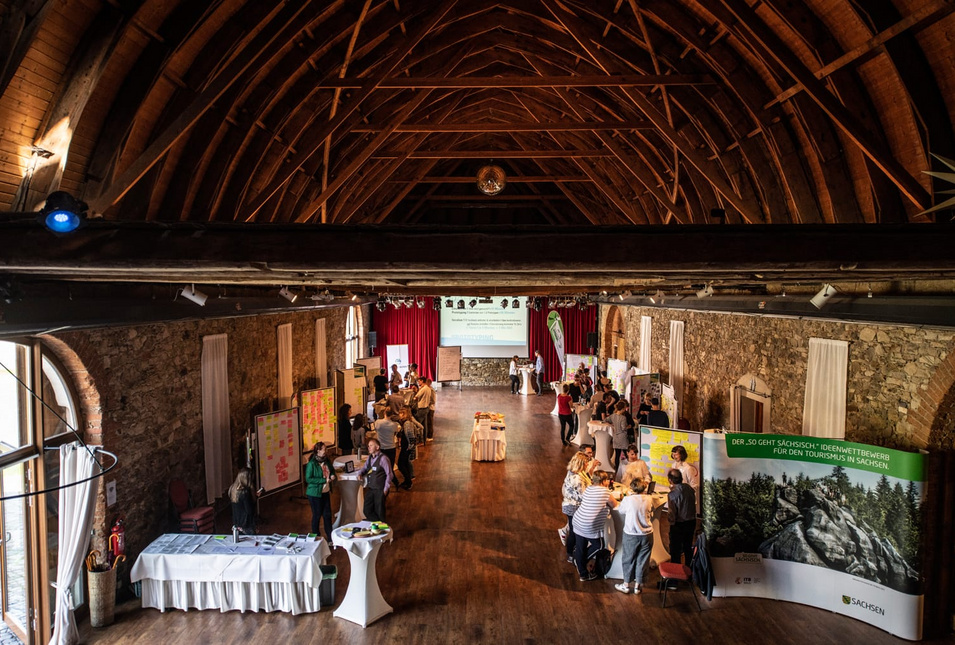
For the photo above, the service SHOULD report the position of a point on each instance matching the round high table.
(350, 490)
(527, 382)
(363, 603)
(582, 437)
(603, 440)
(614, 534)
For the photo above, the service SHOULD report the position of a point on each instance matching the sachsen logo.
(849, 600)
(755, 558)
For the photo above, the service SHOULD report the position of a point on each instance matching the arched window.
(353, 345)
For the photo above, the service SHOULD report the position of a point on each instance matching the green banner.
(556, 328)
(894, 463)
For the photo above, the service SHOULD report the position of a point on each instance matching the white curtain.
(216, 424)
(676, 362)
(284, 343)
(76, 509)
(321, 356)
(824, 412)
(645, 326)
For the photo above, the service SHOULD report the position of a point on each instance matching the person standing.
(318, 477)
(681, 506)
(395, 400)
(565, 414)
(644, 409)
(396, 379)
(381, 385)
(422, 402)
(387, 430)
(637, 510)
(434, 402)
(377, 476)
(539, 368)
(411, 376)
(590, 520)
(243, 502)
(657, 417)
(512, 374)
(620, 439)
(690, 474)
(575, 481)
(359, 426)
(345, 444)
(408, 432)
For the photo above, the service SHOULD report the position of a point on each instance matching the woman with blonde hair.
(243, 502)
(576, 480)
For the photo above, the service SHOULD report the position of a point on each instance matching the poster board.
(641, 383)
(449, 364)
(372, 366)
(319, 416)
(573, 361)
(350, 389)
(656, 444)
(397, 355)
(668, 403)
(619, 374)
(278, 448)
(778, 505)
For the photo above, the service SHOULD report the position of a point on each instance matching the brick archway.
(932, 417)
(614, 340)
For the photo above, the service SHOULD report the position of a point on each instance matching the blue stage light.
(60, 221)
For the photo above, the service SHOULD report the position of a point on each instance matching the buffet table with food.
(488, 438)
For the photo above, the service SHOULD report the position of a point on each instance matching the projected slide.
(487, 329)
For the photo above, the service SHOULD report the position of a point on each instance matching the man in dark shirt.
(681, 508)
(381, 385)
(657, 417)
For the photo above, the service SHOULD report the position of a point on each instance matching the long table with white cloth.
(260, 573)
(488, 440)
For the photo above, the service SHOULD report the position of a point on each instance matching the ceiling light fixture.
(705, 292)
(419, 302)
(288, 295)
(869, 286)
(190, 292)
(436, 303)
(491, 179)
(354, 297)
(382, 304)
(62, 213)
(822, 298)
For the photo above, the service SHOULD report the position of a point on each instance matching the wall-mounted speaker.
(592, 340)
(373, 339)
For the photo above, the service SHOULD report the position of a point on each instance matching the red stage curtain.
(577, 324)
(414, 327)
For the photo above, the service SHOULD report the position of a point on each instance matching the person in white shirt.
(512, 374)
(637, 510)
(690, 474)
(633, 467)
(411, 376)
(423, 406)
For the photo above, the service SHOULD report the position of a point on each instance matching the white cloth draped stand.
(603, 439)
(350, 491)
(363, 603)
(488, 444)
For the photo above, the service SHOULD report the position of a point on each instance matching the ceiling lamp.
(705, 292)
(436, 303)
(491, 179)
(657, 298)
(62, 213)
(822, 298)
(288, 295)
(190, 292)
(419, 302)
(538, 305)
(381, 305)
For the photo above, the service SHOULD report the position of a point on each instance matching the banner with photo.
(822, 522)
(619, 374)
(574, 361)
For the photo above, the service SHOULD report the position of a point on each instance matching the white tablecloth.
(603, 440)
(363, 603)
(246, 580)
(614, 536)
(582, 438)
(488, 445)
(527, 384)
(350, 491)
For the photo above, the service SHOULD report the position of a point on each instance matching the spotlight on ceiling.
(626, 294)
(657, 298)
(472, 303)
(705, 292)
(449, 303)
(870, 291)
(822, 298)
(354, 297)
(62, 213)
(288, 295)
(436, 303)
(515, 303)
(491, 179)
(419, 302)
(189, 292)
(504, 303)
(538, 305)
(381, 305)
(461, 303)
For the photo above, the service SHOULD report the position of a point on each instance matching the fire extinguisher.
(117, 540)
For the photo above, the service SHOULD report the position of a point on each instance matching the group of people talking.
(588, 499)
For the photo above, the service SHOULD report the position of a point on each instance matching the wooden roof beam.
(511, 126)
(523, 82)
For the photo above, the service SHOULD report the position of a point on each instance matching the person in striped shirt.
(589, 521)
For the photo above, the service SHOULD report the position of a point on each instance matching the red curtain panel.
(577, 324)
(411, 326)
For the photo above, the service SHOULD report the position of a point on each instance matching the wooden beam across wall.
(503, 82)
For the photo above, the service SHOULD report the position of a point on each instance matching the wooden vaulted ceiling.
(672, 115)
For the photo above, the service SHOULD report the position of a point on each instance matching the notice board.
(351, 390)
(449, 364)
(372, 366)
(319, 416)
(656, 444)
(278, 448)
(573, 361)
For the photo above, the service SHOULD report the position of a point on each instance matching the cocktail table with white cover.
(488, 443)
(218, 574)
(614, 535)
(527, 384)
(582, 437)
(363, 603)
(350, 491)
(603, 440)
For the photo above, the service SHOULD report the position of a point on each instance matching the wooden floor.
(476, 559)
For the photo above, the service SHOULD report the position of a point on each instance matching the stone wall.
(149, 381)
(889, 368)
(485, 371)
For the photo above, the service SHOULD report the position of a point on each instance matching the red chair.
(199, 519)
(677, 573)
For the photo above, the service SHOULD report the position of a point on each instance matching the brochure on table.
(279, 448)
(319, 416)
(822, 522)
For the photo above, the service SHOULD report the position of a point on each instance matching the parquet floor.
(476, 559)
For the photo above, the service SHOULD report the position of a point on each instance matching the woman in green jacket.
(318, 475)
